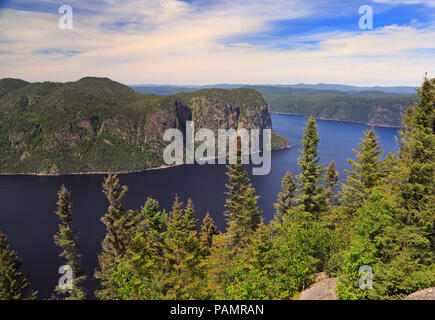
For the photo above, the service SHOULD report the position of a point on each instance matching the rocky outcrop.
(323, 289)
(426, 294)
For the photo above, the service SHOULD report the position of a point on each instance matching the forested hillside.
(331, 102)
(98, 125)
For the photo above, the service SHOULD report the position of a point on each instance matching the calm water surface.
(28, 202)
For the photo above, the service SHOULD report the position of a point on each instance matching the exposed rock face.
(323, 289)
(426, 294)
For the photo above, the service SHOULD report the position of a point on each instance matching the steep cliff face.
(98, 125)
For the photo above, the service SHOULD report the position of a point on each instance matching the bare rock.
(426, 294)
(323, 289)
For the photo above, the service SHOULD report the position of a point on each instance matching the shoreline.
(162, 167)
(89, 173)
(367, 124)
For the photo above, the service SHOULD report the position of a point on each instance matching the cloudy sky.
(219, 41)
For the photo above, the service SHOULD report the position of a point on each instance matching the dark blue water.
(28, 202)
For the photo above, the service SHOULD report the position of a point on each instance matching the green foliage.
(362, 107)
(14, 285)
(311, 195)
(367, 173)
(120, 226)
(67, 238)
(285, 199)
(242, 211)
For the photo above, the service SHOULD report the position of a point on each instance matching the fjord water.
(28, 202)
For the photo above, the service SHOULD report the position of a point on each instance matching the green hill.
(99, 125)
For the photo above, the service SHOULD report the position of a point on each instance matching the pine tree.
(67, 238)
(14, 284)
(311, 195)
(182, 254)
(332, 183)
(120, 226)
(285, 199)
(367, 172)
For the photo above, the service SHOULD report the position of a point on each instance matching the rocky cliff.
(98, 125)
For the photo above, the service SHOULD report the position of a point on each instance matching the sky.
(198, 42)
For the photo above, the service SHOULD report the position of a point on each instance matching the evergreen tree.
(67, 238)
(332, 183)
(14, 284)
(189, 215)
(151, 213)
(367, 172)
(208, 231)
(369, 223)
(251, 272)
(120, 226)
(140, 273)
(408, 247)
(242, 211)
(311, 195)
(182, 254)
(285, 199)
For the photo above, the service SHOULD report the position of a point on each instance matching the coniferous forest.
(381, 216)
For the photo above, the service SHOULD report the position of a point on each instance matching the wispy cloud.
(238, 41)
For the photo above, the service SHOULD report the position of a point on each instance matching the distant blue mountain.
(171, 89)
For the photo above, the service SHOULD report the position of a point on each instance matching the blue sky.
(206, 42)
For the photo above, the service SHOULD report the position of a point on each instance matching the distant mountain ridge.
(381, 106)
(318, 86)
(97, 125)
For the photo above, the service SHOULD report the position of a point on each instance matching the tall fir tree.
(140, 273)
(67, 238)
(332, 184)
(408, 247)
(285, 199)
(184, 271)
(120, 225)
(189, 216)
(366, 173)
(208, 231)
(311, 196)
(242, 211)
(14, 284)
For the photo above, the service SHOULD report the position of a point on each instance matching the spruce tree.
(151, 213)
(67, 238)
(366, 173)
(120, 226)
(332, 183)
(285, 199)
(242, 211)
(182, 253)
(311, 195)
(140, 273)
(408, 247)
(14, 284)
(208, 231)
(189, 216)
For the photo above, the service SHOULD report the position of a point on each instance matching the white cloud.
(173, 42)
